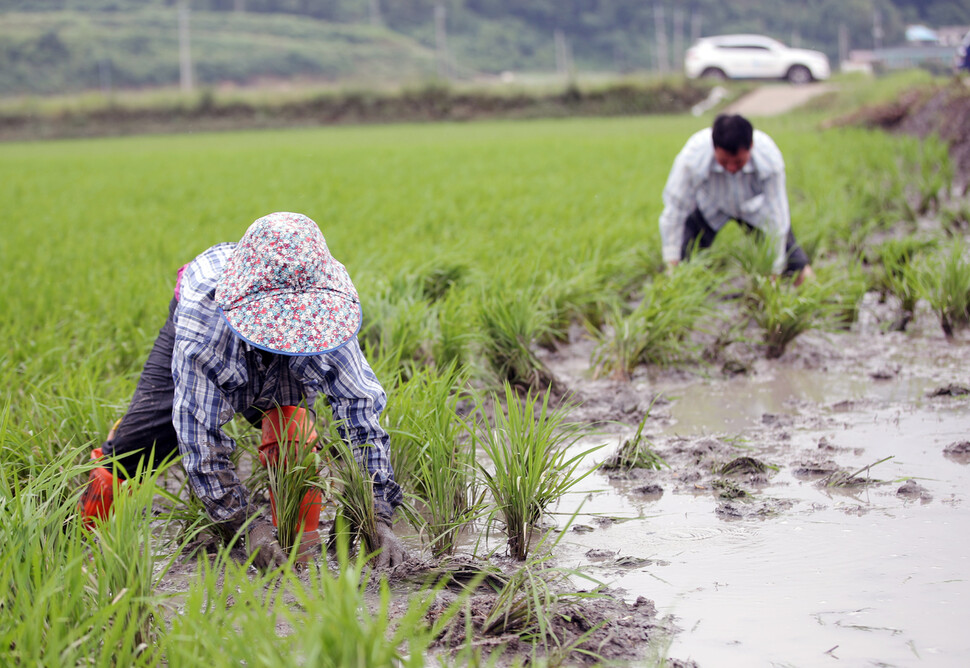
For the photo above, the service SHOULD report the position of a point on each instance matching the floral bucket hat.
(283, 291)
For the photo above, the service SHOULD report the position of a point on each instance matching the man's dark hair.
(732, 133)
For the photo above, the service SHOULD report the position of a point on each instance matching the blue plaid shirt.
(756, 194)
(218, 375)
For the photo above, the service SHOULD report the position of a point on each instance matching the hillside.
(70, 51)
(51, 46)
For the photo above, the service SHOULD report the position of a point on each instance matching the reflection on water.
(860, 578)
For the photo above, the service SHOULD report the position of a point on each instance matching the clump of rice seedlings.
(123, 554)
(583, 296)
(935, 172)
(658, 329)
(946, 287)
(955, 219)
(755, 254)
(636, 453)
(397, 324)
(70, 596)
(512, 322)
(531, 464)
(437, 281)
(356, 520)
(295, 474)
(844, 479)
(784, 312)
(434, 453)
(335, 619)
(852, 287)
(454, 329)
(896, 274)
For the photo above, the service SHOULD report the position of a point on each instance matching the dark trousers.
(147, 425)
(699, 234)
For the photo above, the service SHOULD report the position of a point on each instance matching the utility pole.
(843, 44)
(441, 42)
(876, 29)
(375, 13)
(563, 66)
(661, 32)
(185, 50)
(696, 18)
(678, 38)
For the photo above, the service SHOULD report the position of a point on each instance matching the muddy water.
(856, 577)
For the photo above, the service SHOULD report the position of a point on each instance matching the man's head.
(283, 291)
(732, 136)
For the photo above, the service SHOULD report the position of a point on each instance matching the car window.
(743, 46)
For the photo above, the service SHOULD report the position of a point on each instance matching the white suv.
(753, 57)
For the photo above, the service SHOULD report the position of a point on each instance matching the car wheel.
(714, 73)
(799, 74)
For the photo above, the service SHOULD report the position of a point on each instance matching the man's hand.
(392, 551)
(261, 540)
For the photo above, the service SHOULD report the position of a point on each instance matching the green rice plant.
(955, 219)
(71, 596)
(583, 296)
(356, 518)
(230, 616)
(852, 285)
(512, 323)
(636, 453)
(935, 171)
(455, 328)
(529, 450)
(658, 329)
(434, 452)
(397, 324)
(945, 281)
(784, 312)
(437, 281)
(295, 474)
(845, 479)
(754, 253)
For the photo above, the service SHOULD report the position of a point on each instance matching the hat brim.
(305, 323)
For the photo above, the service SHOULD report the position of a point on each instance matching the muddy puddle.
(780, 564)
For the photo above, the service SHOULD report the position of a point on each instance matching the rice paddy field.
(606, 463)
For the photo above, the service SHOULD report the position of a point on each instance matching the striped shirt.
(218, 375)
(756, 194)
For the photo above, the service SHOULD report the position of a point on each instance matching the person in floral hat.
(259, 328)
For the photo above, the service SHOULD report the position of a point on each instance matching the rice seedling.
(783, 312)
(532, 466)
(945, 281)
(434, 453)
(845, 479)
(512, 322)
(583, 296)
(455, 329)
(397, 324)
(658, 329)
(356, 518)
(850, 283)
(754, 253)
(636, 453)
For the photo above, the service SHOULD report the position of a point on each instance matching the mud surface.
(814, 505)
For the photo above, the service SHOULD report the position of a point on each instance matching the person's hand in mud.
(260, 541)
(391, 549)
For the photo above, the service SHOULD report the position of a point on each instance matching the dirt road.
(774, 99)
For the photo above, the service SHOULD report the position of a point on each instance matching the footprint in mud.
(958, 452)
(913, 491)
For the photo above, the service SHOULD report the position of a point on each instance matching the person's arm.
(679, 196)
(198, 413)
(357, 400)
(771, 214)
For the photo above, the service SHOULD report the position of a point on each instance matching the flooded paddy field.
(777, 564)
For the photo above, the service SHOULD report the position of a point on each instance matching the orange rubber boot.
(97, 499)
(292, 425)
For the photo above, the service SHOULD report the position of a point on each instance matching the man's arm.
(773, 217)
(679, 197)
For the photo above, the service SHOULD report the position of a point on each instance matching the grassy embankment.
(438, 225)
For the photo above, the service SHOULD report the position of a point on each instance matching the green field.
(551, 213)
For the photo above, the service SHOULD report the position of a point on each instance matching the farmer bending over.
(729, 172)
(258, 327)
